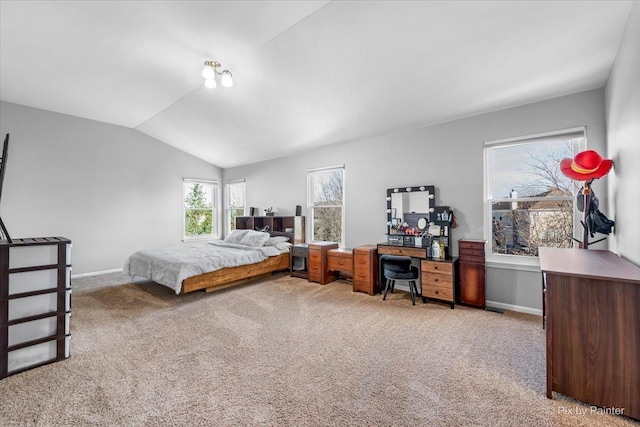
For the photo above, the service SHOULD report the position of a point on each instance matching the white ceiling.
(306, 73)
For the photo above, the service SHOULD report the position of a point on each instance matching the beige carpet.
(288, 352)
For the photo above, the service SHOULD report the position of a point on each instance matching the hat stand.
(586, 191)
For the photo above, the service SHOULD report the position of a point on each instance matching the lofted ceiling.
(306, 73)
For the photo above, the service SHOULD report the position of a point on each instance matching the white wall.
(447, 155)
(623, 137)
(110, 189)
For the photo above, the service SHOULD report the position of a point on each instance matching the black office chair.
(399, 268)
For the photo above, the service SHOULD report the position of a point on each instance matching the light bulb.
(210, 83)
(226, 80)
(208, 72)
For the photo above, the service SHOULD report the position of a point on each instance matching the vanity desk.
(414, 224)
(437, 276)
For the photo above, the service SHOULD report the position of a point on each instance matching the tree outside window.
(199, 209)
(235, 206)
(530, 202)
(326, 204)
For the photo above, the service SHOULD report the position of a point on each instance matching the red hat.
(586, 165)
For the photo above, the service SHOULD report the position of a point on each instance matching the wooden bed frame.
(232, 276)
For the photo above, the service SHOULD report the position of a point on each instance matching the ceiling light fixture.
(210, 71)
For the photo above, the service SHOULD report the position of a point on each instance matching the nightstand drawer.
(437, 293)
(299, 251)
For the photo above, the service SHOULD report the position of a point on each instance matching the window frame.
(214, 210)
(227, 202)
(311, 207)
(512, 261)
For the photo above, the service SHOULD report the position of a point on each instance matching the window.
(325, 199)
(199, 205)
(235, 203)
(528, 201)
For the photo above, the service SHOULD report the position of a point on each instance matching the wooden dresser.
(471, 272)
(318, 265)
(341, 260)
(365, 269)
(592, 304)
(438, 280)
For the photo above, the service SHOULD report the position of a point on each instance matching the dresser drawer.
(339, 263)
(466, 252)
(412, 252)
(361, 260)
(465, 244)
(362, 274)
(472, 260)
(436, 267)
(437, 279)
(437, 293)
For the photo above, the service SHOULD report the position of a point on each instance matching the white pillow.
(283, 245)
(255, 239)
(235, 236)
(276, 239)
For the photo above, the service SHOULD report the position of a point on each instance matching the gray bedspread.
(170, 266)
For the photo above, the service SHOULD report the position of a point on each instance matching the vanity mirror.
(411, 205)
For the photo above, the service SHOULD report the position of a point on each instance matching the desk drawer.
(436, 267)
(437, 280)
(338, 263)
(402, 251)
(437, 293)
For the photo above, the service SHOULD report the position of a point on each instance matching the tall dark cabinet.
(471, 275)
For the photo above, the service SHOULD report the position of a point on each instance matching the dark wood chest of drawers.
(471, 277)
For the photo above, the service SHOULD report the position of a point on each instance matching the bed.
(242, 256)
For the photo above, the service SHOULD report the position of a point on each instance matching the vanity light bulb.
(395, 190)
(388, 199)
(210, 83)
(208, 72)
(431, 196)
(226, 80)
(408, 189)
(422, 188)
(388, 210)
(432, 210)
(388, 222)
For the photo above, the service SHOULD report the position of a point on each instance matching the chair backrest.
(396, 263)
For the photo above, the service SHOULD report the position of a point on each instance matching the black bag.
(598, 222)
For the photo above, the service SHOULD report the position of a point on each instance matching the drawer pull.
(435, 280)
(437, 292)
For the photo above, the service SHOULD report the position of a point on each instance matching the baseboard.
(96, 273)
(512, 307)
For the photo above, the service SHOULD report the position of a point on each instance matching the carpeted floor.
(288, 352)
